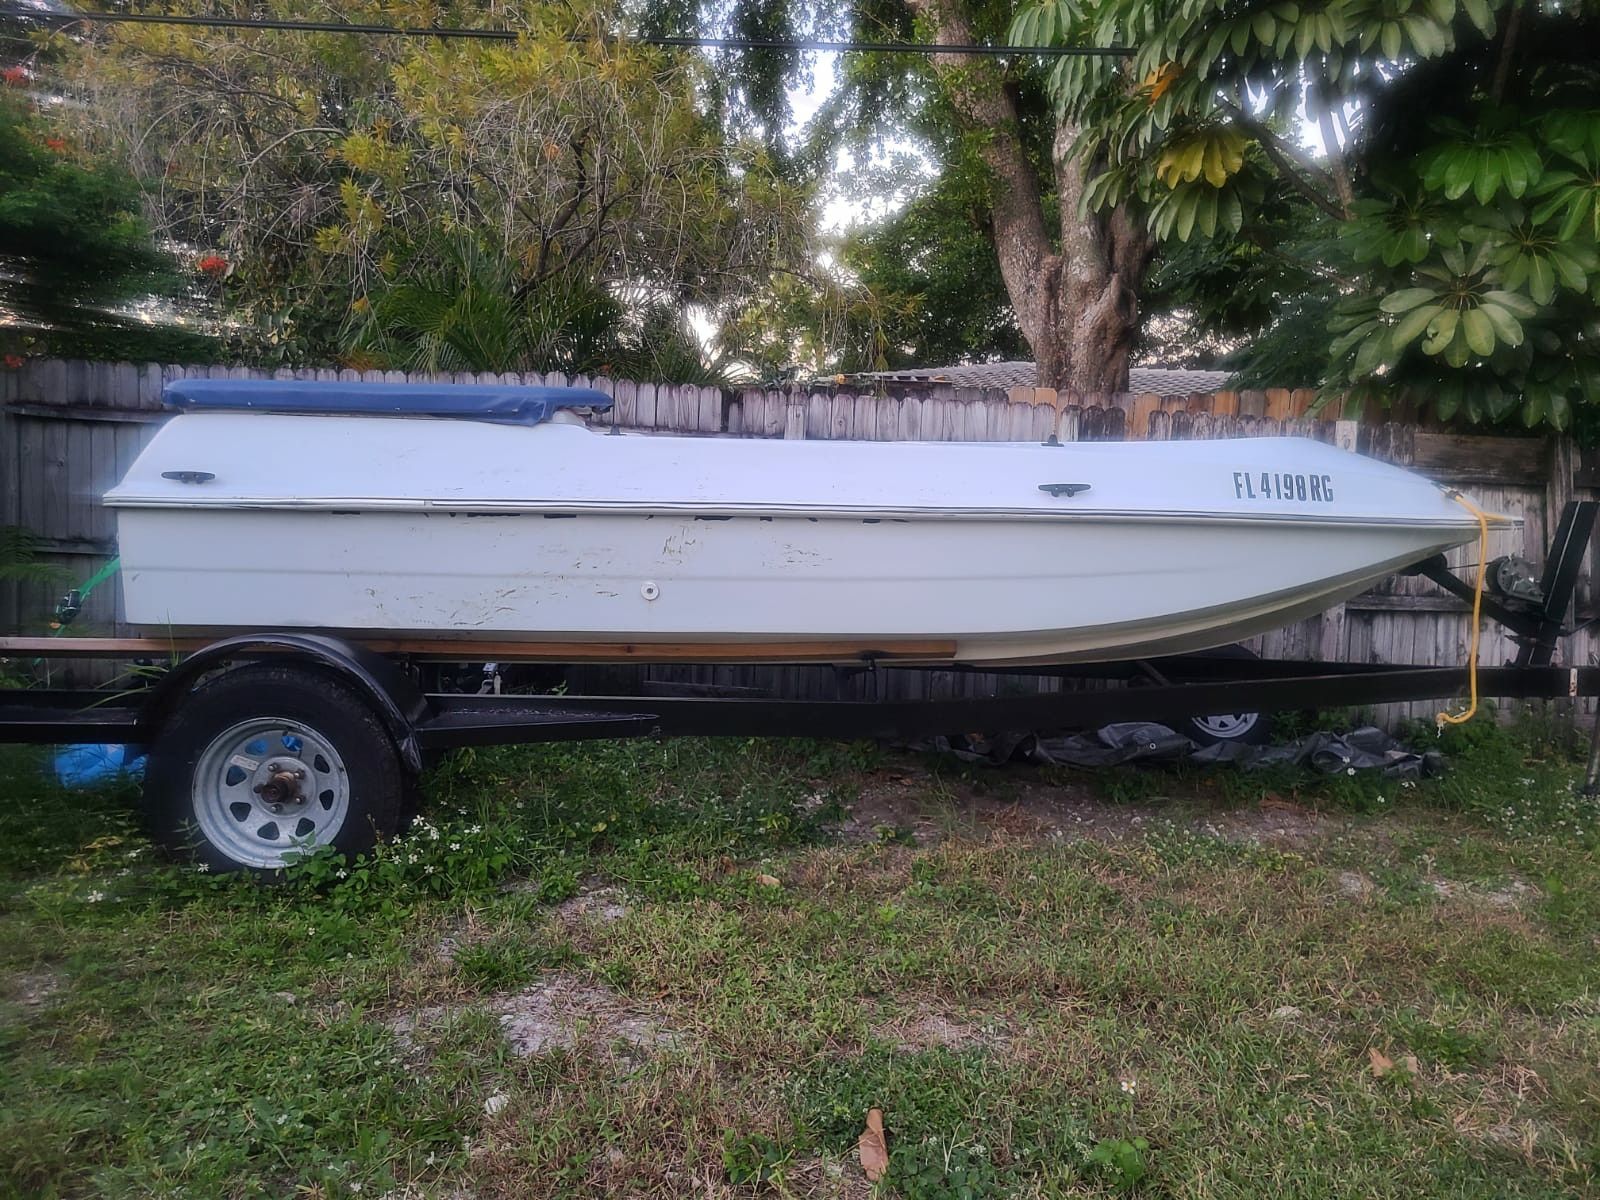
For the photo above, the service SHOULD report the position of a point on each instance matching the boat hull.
(554, 534)
(980, 591)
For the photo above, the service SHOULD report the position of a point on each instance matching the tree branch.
(1296, 167)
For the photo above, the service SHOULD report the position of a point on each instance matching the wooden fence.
(68, 430)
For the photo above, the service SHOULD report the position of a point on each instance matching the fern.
(19, 552)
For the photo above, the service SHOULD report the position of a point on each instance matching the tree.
(931, 267)
(1074, 280)
(74, 248)
(338, 180)
(1456, 192)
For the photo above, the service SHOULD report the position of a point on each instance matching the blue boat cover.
(508, 404)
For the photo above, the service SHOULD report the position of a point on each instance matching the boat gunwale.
(357, 505)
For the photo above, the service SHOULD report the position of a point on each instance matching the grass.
(1157, 983)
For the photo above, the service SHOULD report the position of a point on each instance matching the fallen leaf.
(767, 880)
(1410, 1063)
(874, 1149)
(1382, 1064)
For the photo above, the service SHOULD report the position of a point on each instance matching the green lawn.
(690, 970)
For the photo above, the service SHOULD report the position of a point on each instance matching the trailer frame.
(419, 722)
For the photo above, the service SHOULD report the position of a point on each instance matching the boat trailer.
(358, 707)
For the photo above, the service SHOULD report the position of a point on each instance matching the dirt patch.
(562, 1011)
(602, 904)
(31, 989)
(910, 806)
(1510, 897)
(930, 1028)
(1282, 824)
(1356, 886)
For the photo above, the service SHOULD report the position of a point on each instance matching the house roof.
(1161, 381)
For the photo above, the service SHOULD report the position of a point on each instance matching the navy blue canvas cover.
(508, 403)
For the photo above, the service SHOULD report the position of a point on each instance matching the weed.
(1121, 1161)
(509, 961)
(1448, 1045)
(754, 1158)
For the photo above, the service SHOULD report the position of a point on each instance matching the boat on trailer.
(496, 517)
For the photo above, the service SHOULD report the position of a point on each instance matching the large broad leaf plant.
(1443, 155)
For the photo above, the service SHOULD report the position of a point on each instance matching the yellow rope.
(1445, 718)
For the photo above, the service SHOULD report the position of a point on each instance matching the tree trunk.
(1103, 261)
(1077, 306)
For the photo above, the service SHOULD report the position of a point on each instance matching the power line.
(511, 35)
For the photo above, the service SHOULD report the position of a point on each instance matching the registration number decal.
(1286, 485)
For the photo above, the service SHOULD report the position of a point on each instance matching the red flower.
(15, 76)
(59, 145)
(12, 361)
(213, 265)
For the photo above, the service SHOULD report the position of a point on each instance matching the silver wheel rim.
(1228, 725)
(267, 787)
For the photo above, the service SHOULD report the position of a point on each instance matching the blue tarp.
(510, 404)
(87, 766)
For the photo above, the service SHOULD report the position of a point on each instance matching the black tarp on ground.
(1364, 749)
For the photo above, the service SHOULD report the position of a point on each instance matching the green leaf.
(1441, 331)
(1541, 279)
(1479, 332)
(1577, 215)
(1506, 327)
(1459, 173)
(1514, 169)
(1513, 302)
(1389, 40)
(1487, 180)
(1569, 269)
(1187, 210)
(1410, 328)
(1406, 299)
(1482, 17)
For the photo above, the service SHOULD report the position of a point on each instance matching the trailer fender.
(395, 698)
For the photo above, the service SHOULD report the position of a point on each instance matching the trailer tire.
(1244, 729)
(260, 763)
(1239, 728)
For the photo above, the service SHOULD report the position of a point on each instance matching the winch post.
(1561, 567)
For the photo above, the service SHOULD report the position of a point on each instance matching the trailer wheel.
(264, 762)
(1245, 728)
(1242, 728)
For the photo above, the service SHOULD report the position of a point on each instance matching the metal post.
(1591, 775)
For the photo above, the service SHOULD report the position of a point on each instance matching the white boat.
(419, 513)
